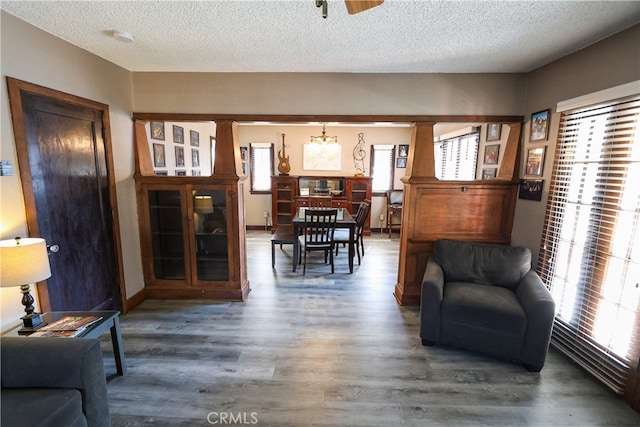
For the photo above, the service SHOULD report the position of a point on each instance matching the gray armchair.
(486, 298)
(53, 382)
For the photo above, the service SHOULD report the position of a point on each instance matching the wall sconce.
(22, 262)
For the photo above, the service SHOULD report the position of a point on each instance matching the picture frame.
(244, 154)
(178, 134)
(159, 159)
(539, 126)
(491, 154)
(181, 173)
(161, 173)
(245, 169)
(156, 130)
(195, 172)
(195, 158)
(535, 161)
(194, 138)
(531, 189)
(403, 150)
(493, 131)
(489, 173)
(401, 162)
(179, 157)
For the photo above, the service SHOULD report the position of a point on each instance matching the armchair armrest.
(59, 363)
(539, 306)
(430, 300)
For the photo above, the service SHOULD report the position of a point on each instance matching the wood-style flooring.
(329, 350)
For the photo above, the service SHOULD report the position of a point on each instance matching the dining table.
(344, 219)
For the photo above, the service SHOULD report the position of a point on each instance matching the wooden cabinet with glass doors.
(184, 238)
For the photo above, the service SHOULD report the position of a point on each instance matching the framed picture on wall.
(158, 156)
(491, 153)
(194, 138)
(530, 189)
(493, 131)
(195, 158)
(403, 150)
(179, 156)
(178, 134)
(157, 130)
(488, 173)
(244, 154)
(539, 129)
(401, 162)
(535, 161)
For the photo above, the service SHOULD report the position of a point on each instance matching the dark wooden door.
(70, 192)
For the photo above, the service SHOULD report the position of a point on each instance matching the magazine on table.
(67, 326)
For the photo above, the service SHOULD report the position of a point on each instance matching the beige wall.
(297, 136)
(36, 57)
(611, 62)
(324, 93)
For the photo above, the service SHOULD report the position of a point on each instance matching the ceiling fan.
(353, 6)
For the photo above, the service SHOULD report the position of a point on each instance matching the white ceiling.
(400, 36)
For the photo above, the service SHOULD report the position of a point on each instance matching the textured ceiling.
(400, 36)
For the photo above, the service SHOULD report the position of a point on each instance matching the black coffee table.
(110, 321)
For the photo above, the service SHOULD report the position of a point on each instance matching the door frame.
(15, 90)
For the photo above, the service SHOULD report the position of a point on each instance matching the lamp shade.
(23, 261)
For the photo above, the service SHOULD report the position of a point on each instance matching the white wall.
(36, 57)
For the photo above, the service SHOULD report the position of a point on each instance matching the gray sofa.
(53, 382)
(486, 298)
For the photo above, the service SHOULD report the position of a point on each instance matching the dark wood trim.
(15, 89)
(135, 300)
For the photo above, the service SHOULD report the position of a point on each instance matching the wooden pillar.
(479, 210)
(228, 167)
(420, 168)
(228, 161)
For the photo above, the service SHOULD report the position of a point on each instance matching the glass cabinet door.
(167, 236)
(210, 226)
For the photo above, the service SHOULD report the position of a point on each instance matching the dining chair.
(341, 235)
(318, 230)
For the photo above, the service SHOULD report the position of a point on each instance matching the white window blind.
(590, 248)
(456, 158)
(261, 158)
(382, 167)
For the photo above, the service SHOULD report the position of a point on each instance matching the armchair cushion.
(482, 263)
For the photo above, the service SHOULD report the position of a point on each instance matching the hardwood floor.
(329, 350)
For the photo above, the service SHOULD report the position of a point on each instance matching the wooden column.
(228, 169)
(480, 210)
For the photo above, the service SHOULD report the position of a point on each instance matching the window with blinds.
(382, 168)
(590, 248)
(456, 158)
(261, 167)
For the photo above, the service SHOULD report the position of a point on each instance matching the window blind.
(261, 156)
(456, 158)
(382, 167)
(590, 247)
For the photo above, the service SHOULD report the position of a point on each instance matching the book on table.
(67, 326)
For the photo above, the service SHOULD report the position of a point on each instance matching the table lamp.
(22, 262)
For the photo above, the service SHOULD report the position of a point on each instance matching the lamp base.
(31, 323)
